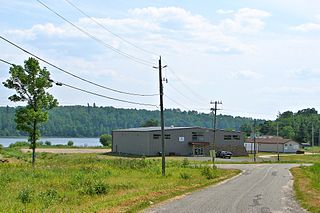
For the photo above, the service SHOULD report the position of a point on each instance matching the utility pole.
(278, 141)
(254, 140)
(163, 159)
(214, 123)
(319, 138)
(312, 132)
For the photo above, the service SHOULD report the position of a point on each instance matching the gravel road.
(261, 188)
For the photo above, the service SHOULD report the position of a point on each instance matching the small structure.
(187, 141)
(272, 144)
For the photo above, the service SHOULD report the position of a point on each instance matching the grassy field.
(307, 186)
(95, 182)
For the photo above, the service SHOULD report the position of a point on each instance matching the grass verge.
(307, 186)
(95, 183)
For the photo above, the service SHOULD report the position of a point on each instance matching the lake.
(54, 141)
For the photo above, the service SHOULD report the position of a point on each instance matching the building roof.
(269, 140)
(156, 128)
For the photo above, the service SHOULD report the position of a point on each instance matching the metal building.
(186, 141)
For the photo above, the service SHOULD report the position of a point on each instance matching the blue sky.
(258, 57)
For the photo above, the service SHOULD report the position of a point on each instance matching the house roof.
(269, 140)
(157, 128)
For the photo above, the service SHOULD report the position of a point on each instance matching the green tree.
(106, 139)
(151, 122)
(30, 83)
(287, 132)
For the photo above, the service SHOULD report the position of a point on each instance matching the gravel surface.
(261, 188)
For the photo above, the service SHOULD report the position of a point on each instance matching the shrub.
(185, 176)
(47, 143)
(94, 188)
(70, 143)
(209, 173)
(106, 139)
(25, 197)
(19, 144)
(185, 163)
(1, 147)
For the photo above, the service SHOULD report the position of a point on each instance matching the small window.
(156, 136)
(167, 136)
(286, 145)
(236, 137)
(290, 144)
(227, 137)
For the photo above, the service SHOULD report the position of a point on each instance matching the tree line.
(92, 121)
(297, 126)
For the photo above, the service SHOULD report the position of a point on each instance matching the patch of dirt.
(68, 151)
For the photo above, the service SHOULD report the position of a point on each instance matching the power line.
(92, 93)
(107, 97)
(171, 99)
(108, 30)
(73, 75)
(138, 60)
(201, 99)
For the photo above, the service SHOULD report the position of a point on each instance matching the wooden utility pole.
(278, 142)
(163, 159)
(312, 139)
(254, 140)
(214, 123)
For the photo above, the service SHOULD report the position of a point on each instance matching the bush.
(49, 196)
(1, 147)
(209, 173)
(185, 163)
(185, 176)
(19, 144)
(47, 143)
(95, 188)
(25, 196)
(106, 139)
(70, 143)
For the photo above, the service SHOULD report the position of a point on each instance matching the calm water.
(77, 141)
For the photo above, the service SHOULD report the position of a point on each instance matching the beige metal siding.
(131, 142)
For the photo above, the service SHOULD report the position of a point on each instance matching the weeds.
(185, 176)
(209, 173)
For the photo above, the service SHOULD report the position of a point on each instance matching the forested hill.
(88, 121)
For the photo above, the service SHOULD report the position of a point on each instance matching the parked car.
(223, 154)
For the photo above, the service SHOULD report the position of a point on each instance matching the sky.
(258, 57)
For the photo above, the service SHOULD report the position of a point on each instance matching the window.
(227, 137)
(156, 136)
(197, 136)
(168, 136)
(236, 137)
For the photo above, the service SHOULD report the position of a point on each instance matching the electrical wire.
(171, 99)
(73, 75)
(108, 97)
(133, 58)
(108, 30)
(92, 93)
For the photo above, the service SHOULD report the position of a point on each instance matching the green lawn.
(93, 182)
(307, 186)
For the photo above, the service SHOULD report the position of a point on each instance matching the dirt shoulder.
(68, 151)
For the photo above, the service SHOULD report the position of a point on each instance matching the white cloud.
(246, 75)
(167, 28)
(306, 27)
(245, 20)
(304, 74)
(310, 26)
(224, 12)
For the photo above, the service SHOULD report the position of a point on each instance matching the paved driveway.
(261, 188)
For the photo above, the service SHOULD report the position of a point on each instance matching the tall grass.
(90, 182)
